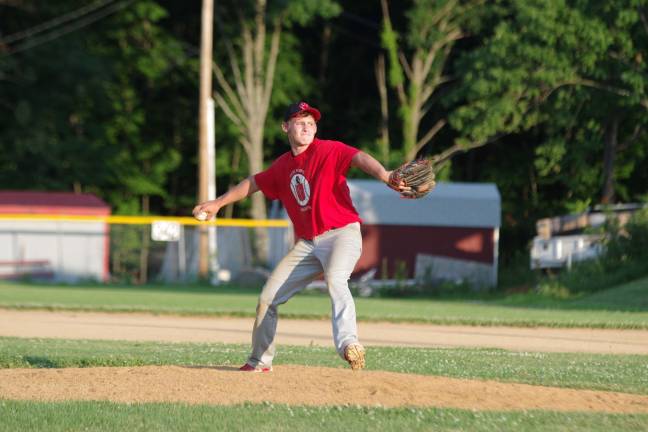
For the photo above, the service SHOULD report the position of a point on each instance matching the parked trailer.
(563, 251)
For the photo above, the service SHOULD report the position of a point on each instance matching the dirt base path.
(119, 326)
(298, 385)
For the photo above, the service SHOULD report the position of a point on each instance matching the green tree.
(144, 58)
(418, 63)
(83, 112)
(47, 95)
(576, 71)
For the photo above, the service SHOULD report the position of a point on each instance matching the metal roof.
(52, 203)
(449, 204)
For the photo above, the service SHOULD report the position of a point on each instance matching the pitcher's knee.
(264, 308)
(337, 277)
(339, 281)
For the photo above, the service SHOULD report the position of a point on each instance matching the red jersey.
(312, 187)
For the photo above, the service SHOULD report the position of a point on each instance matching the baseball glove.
(417, 175)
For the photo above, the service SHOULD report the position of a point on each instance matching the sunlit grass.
(106, 416)
(624, 312)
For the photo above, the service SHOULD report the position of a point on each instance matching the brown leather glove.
(418, 175)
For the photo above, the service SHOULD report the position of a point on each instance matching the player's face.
(301, 130)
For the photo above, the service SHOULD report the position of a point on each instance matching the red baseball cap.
(299, 107)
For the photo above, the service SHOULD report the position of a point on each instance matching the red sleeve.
(265, 180)
(345, 154)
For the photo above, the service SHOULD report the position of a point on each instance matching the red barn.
(450, 234)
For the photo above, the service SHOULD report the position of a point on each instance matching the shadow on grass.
(219, 368)
(166, 288)
(629, 297)
(40, 362)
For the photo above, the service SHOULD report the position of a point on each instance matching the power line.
(54, 22)
(84, 22)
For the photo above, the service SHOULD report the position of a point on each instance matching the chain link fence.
(135, 250)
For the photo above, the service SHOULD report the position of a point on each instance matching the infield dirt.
(169, 328)
(299, 385)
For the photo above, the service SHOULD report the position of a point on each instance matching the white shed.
(49, 248)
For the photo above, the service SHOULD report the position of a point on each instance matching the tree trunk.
(324, 54)
(609, 157)
(381, 81)
(413, 118)
(146, 239)
(236, 160)
(258, 203)
(247, 101)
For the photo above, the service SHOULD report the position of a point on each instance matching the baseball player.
(310, 181)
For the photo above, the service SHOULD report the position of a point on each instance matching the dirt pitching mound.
(299, 385)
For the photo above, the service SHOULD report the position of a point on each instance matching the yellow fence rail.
(145, 220)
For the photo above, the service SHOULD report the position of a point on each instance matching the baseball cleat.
(354, 353)
(247, 368)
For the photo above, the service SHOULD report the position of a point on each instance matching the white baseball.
(202, 216)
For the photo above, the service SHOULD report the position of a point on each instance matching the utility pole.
(203, 125)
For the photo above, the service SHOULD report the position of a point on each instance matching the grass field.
(622, 307)
(104, 416)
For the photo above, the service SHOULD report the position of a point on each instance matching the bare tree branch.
(248, 67)
(426, 138)
(593, 84)
(406, 66)
(443, 13)
(427, 89)
(438, 20)
(233, 56)
(259, 46)
(440, 159)
(271, 65)
(429, 60)
(442, 22)
(236, 71)
(431, 99)
(381, 81)
(222, 103)
(426, 93)
(626, 143)
(247, 145)
(231, 95)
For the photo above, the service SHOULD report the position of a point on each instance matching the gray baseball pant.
(333, 254)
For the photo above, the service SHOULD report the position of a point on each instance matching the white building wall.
(72, 250)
